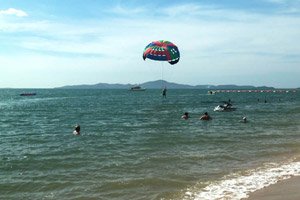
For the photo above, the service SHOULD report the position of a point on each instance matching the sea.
(135, 146)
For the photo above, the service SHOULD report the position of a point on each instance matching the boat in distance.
(28, 94)
(137, 88)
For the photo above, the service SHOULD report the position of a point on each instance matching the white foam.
(239, 186)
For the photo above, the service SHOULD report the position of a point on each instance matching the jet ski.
(225, 107)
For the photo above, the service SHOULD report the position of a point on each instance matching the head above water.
(77, 128)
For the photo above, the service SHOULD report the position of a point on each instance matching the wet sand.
(287, 189)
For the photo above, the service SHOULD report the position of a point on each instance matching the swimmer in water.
(205, 117)
(185, 115)
(76, 130)
(244, 120)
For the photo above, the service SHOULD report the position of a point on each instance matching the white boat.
(224, 108)
(137, 88)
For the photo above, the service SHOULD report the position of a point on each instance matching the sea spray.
(239, 187)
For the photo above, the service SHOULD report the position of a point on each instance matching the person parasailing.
(162, 50)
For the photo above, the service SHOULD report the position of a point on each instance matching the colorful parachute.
(162, 50)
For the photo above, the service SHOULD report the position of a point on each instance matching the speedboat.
(225, 107)
(28, 94)
(137, 88)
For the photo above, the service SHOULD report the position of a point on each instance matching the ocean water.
(134, 145)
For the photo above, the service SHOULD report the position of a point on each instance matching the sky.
(52, 43)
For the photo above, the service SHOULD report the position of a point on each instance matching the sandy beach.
(286, 189)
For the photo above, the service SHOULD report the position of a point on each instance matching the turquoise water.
(133, 145)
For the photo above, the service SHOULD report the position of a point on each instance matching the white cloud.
(283, 1)
(183, 9)
(210, 40)
(286, 6)
(251, 33)
(13, 11)
(121, 10)
(277, 1)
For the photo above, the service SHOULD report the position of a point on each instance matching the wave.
(239, 186)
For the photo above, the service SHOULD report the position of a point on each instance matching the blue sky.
(51, 43)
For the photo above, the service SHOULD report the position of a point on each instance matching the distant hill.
(159, 84)
(97, 86)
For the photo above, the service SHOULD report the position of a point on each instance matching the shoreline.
(286, 189)
(271, 182)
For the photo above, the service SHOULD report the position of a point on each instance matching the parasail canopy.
(162, 50)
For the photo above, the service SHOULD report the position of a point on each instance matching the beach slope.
(286, 189)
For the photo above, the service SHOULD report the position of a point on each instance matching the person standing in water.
(76, 130)
(164, 92)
